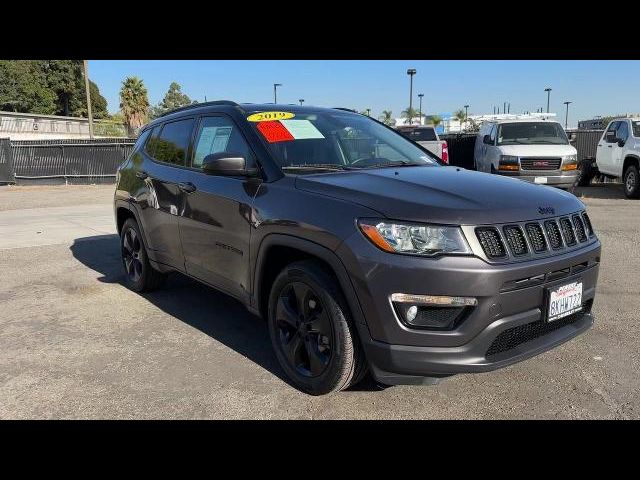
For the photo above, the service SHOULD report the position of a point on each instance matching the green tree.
(461, 117)
(434, 120)
(134, 103)
(409, 114)
(174, 98)
(23, 88)
(387, 118)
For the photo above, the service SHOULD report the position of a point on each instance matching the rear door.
(215, 223)
(604, 154)
(159, 200)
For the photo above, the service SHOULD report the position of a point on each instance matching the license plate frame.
(556, 289)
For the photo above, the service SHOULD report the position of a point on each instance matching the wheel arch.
(278, 250)
(630, 160)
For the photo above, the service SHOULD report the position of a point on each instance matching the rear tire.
(631, 181)
(141, 276)
(585, 174)
(311, 331)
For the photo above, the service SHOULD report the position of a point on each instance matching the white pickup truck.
(617, 156)
(428, 138)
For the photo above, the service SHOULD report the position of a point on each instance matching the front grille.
(515, 239)
(515, 336)
(536, 237)
(587, 223)
(553, 232)
(540, 163)
(579, 226)
(567, 232)
(491, 243)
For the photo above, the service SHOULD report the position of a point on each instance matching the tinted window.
(152, 143)
(420, 134)
(623, 131)
(636, 128)
(219, 134)
(612, 128)
(532, 133)
(172, 143)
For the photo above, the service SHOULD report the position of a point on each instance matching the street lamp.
(420, 95)
(275, 92)
(301, 101)
(566, 117)
(548, 90)
(466, 114)
(411, 72)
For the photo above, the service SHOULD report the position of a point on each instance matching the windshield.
(636, 128)
(308, 142)
(532, 133)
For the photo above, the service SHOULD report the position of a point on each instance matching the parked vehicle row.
(428, 138)
(361, 249)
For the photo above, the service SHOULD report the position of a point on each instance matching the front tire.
(631, 180)
(585, 174)
(311, 331)
(141, 276)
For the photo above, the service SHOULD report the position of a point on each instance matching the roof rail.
(203, 104)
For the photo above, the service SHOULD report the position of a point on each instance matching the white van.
(534, 150)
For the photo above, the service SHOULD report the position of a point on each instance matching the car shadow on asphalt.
(600, 190)
(213, 313)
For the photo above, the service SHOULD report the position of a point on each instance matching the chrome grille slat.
(535, 163)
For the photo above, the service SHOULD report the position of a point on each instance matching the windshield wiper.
(316, 166)
(397, 163)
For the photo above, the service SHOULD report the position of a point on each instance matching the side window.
(612, 128)
(173, 142)
(494, 128)
(623, 131)
(151, 143)
(219, 134)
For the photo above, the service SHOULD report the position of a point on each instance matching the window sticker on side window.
(269, 116)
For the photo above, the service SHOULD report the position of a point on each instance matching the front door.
(215, 224)
(604, 153)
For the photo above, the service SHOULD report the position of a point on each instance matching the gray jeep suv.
(361, 250)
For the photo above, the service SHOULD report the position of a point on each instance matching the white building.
(28, 126)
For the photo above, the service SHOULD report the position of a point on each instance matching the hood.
(446, 195)
(537, 150)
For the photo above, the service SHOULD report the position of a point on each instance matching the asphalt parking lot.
(76, 343)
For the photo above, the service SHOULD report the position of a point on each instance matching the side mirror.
(226, 164)
(620, 142)
(487, 139)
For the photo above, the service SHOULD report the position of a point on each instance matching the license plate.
(564, 300)
(540, 180)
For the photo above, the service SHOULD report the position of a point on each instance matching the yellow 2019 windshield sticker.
(269, 116)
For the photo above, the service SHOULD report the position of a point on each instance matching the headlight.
(508, 162)
(570, 162)
(415, 238)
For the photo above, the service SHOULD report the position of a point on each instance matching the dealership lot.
(76, 343)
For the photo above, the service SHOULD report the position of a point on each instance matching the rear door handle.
(187, 187)
(142, 175)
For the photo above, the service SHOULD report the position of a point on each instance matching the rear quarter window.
(171, 145)
(421, 135)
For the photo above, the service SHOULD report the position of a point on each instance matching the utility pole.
(275, 92)
(466, 114)
(420, 95)
(566, 117)
(86, 87)
(548, 90)
(411, 72)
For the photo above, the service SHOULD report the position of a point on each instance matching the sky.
(595, 87)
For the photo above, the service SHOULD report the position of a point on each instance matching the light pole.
(368, 112)
(466, 114)
(86, 86)
(548, 90)
(301, 101)
(411, 72)
(275, 92)
(420, 95)
(566, 117)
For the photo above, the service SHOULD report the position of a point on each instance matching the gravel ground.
(75, 343)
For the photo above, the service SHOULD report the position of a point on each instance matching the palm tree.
(435, 120)
(134, 103)
(386, 118)
(409, 113)
(461, 117)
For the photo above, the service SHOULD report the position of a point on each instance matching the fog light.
(411, 313)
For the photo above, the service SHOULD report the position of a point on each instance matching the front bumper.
(400, 354)
(553, 178)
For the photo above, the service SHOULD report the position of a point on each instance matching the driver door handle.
(610, 146)
(187, 187)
